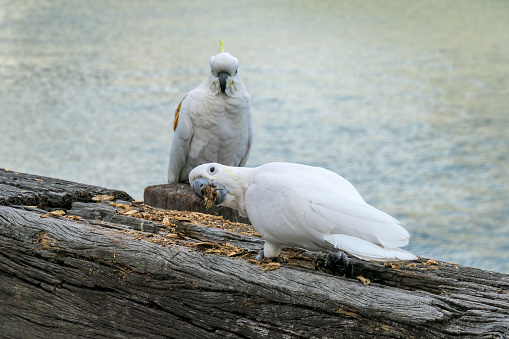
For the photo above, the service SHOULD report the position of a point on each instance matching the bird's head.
(220, 184)
(224, 67)
(208, 180)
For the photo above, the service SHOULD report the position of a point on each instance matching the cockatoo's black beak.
(201, 185)
(222, 80)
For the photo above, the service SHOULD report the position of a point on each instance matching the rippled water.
(407, 100)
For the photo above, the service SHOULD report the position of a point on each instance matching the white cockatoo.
(213, 121)
(304, 206)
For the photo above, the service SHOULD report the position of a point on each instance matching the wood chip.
(167, 222)
(210, 194)
(271, 266)
(73, 217)
(363, 280)
(98, 198)
(431, 262)
(392, 265)
(57, 213)
(114, 204)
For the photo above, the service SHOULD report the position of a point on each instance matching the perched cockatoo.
(303, 206)
(213, 121)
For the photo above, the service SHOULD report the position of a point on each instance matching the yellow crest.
(222, 48)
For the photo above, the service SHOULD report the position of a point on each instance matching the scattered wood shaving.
(170, 217)
(270, 266)
(114, 204)
(104, 197)
(451, 264)
(431, 262)
(167, 222)
(72, 217)
(393, 265)
(363, 280)
(210, 194)
(228, 250)
(57, 213)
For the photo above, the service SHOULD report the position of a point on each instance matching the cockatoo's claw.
(260, 256)
(337, 263)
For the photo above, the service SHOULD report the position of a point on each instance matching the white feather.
(212, 126)
(309, 207)
(366, 250)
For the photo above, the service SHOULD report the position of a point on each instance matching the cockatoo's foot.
(337, 263)
(260, 256)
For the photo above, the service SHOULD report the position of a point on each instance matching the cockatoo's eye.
(212, 169)
(236, 71)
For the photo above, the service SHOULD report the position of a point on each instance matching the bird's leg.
(337, 263)
(260, 256)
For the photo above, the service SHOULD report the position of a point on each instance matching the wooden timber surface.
(79, 261)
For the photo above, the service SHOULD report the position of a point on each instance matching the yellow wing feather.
(177, 113)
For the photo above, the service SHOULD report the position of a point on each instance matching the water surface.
(407, 100)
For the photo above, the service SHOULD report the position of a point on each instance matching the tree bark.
(112, 274)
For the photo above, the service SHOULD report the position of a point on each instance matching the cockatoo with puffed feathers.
(213, 121)
(303, 206)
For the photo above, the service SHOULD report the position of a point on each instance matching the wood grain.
(102, 276)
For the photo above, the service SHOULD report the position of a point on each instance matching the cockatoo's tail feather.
(366, 250)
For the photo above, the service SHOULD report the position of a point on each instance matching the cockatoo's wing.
(302, 205)
(179, 151)
(249, 142)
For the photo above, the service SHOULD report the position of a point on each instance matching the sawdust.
(270, 266)
(393, 265)
(104, 197)
(57, 213)
(169, 218)
(431, 262)
(210, 195)
(227, 249)
(363, 280)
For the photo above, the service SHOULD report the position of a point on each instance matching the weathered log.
(100, 276)
(180, 197)
(44, 192)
